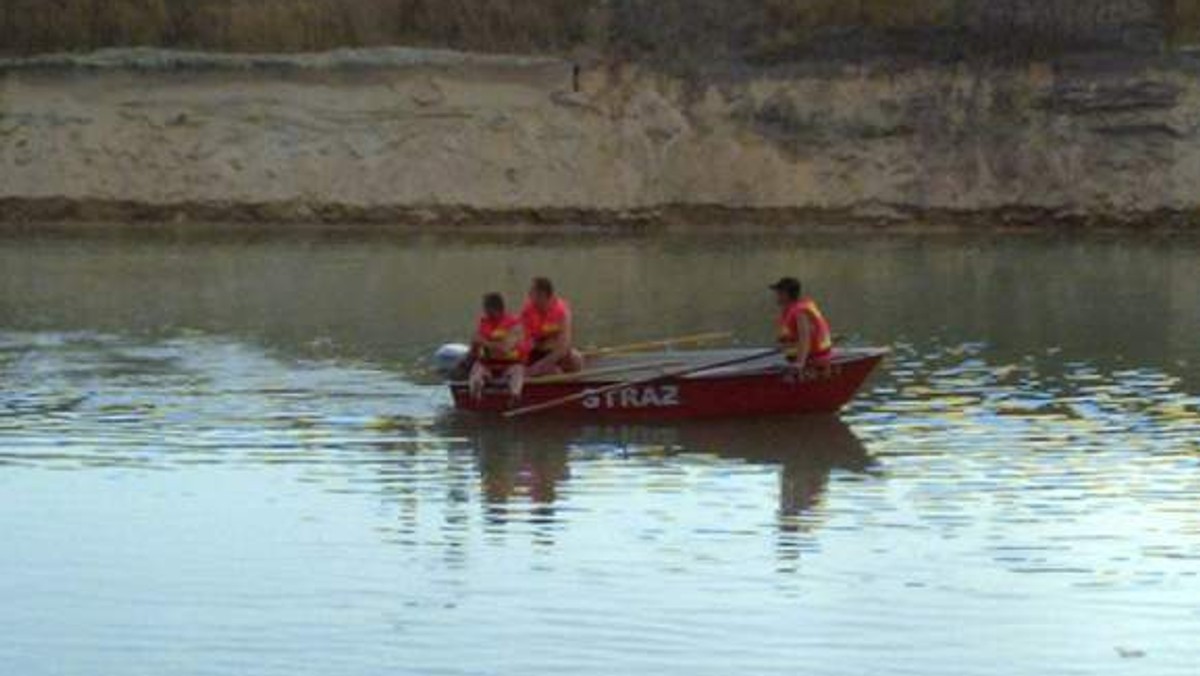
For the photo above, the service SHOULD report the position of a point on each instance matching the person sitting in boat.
(547, 321)
(804, 334)
(499, 349)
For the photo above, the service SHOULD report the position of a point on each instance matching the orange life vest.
(497, 331)
(543, 327)
(820, 339)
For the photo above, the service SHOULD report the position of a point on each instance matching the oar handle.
(593, 373)
(667, 342)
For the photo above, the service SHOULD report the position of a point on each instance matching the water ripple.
(963, 502)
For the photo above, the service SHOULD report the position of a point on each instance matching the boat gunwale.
(841, 357)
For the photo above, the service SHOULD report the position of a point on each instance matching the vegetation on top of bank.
(41, 26)
(667, 31)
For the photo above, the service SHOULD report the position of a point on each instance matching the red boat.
(677, 385)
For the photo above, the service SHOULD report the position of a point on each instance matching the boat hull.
(767, 391)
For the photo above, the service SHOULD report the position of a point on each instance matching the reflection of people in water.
(519, 462)
(807, 448)
(532, 462)
(512, 471)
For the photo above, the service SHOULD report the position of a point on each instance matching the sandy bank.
(415, 137)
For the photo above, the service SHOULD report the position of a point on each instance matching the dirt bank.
(416, 137)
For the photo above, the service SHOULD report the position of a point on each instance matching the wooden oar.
(638, 382)
(667, 342)
(607, 371)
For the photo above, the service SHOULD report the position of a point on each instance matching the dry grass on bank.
(625, 27)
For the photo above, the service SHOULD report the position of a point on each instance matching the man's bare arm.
(559, 351)
(565, 339)
(803, 333)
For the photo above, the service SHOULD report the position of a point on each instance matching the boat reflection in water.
(525, 469)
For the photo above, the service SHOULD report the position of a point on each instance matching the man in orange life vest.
(804, 334)
(499, 348)
(548, 326)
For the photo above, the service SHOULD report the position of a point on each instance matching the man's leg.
(516, 381)
(479, 376)
(542, 365)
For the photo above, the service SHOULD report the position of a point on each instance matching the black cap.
(788, 285)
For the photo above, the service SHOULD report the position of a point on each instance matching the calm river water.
(223, 454)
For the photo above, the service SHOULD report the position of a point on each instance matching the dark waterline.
(224, 452)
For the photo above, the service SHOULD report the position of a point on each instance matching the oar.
(638, 382)
(667, 342)
(608, 371)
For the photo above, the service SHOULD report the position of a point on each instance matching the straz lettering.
(655, 396)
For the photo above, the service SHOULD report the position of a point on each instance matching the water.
(225, 454)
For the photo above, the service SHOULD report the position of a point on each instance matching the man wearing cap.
(804, 334)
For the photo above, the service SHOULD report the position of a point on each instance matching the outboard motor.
(450, 360)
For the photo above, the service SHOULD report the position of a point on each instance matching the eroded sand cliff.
(436, 137)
